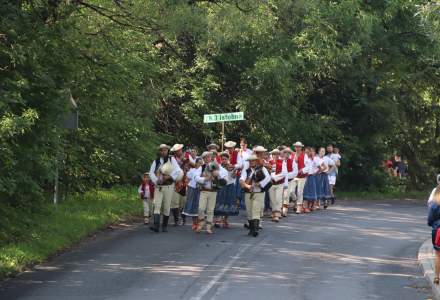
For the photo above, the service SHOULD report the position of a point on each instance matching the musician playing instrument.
(301, 160)
(263, 161)
(163, 173)
(292, 171)
(178, 200)
(255, 180)
(242, 154)
(210, 177)
(279, 183)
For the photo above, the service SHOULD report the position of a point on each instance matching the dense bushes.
(363, 75)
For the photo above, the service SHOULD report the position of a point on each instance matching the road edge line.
(426, 261)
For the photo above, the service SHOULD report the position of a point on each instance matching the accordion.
(258, 176)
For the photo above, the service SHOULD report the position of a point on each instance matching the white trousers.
(254, 205)
(276, 197)
(163, 196)
(148, 207)
(178, 201)
(207, 205)
(299, 183)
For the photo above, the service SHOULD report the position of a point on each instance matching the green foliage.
(51, 52)
(29, 236)
(349, 72)
(361, 74)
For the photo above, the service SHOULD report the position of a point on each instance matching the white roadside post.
(69, 122)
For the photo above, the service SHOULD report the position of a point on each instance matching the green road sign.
(228, 117)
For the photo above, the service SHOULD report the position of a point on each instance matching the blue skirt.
(192, 202)
(226, 201)
(323, 187)
(239, 193)
(310, 193)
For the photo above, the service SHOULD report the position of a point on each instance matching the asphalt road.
(354, 250)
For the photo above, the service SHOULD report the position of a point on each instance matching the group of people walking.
(214, 185)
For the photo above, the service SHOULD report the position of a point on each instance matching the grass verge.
(30, 237)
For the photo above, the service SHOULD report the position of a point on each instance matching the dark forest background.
(364, 75)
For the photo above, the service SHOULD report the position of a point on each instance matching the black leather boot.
(256, 228)
(251, 227)
(165, 223)
(176, 216)
(183, 219)
(156, 223)
(247, 225)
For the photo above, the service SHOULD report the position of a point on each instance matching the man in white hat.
(292, 172)
(278, 182)
(178, 200)
(163, 173)
(211, 176)
(242, 154)
(262, 161)
(301, 161)
(255, 180)
(333, 172)
(283, 173)
(233, 154)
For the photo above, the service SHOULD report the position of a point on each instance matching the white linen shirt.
(191, 175)
(241, 158)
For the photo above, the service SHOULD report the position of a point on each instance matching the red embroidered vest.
(301, 165)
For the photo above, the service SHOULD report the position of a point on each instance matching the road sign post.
(225, 117)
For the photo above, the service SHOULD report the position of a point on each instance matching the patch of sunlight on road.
(334, 258)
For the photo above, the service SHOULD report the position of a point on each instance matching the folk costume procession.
(214, 186)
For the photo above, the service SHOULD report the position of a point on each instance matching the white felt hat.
(260, 149)
(163, 146)
(252, 157)
(176, 147)
(205, 154)
(230, 144)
